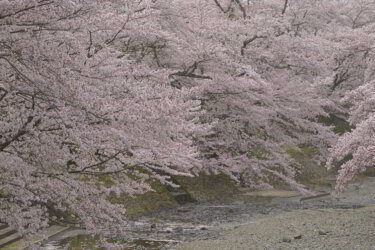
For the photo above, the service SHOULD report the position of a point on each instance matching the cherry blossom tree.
(81, 96)
(354, 77)
(356, 150)
(290, 65)
(257, 87)
(151, 88)
(332, 49)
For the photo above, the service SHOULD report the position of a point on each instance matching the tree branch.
(221, 7)
(189, 72)
(248, 41)
(243, 10)
(285, 7)
(22, 131)
(25, 9)
(3, 95)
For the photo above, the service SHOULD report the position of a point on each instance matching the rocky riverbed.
(257, 220)
(300, 229)
(345, 221)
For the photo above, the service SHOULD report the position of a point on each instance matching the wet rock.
(297, 236)
(286, 239)
(322, 232)
(179, 230)
(182, 197)
(183, 210)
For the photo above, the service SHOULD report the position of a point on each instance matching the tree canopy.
(153, 88)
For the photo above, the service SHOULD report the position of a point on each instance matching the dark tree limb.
(5, 92)
(89, 55)
(189, 72)
(340, 78)
(238, 2)
(72, 15)
(243, 10)
(221, 7)
(285, 7)
(118, 32)
(26, 9)
(191, 75)
(248, 41)
(22, 131)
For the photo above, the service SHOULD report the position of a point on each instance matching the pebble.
(322, 232)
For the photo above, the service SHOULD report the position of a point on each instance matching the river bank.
(275, 219)
(302, 229)
(345, 221)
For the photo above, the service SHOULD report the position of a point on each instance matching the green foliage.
(81, 242)
(207, 187)
(201, 187)
(302, 154)
(311, 172)
(340, 125)
(105, 180)
(89, 242)
(258, 154)
(147, 202)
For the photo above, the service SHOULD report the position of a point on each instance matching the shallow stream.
(207, 220)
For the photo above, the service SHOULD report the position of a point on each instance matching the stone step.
(54, 230)
(271, 193)
(14, 241)
(9, 239)
(5, 232)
